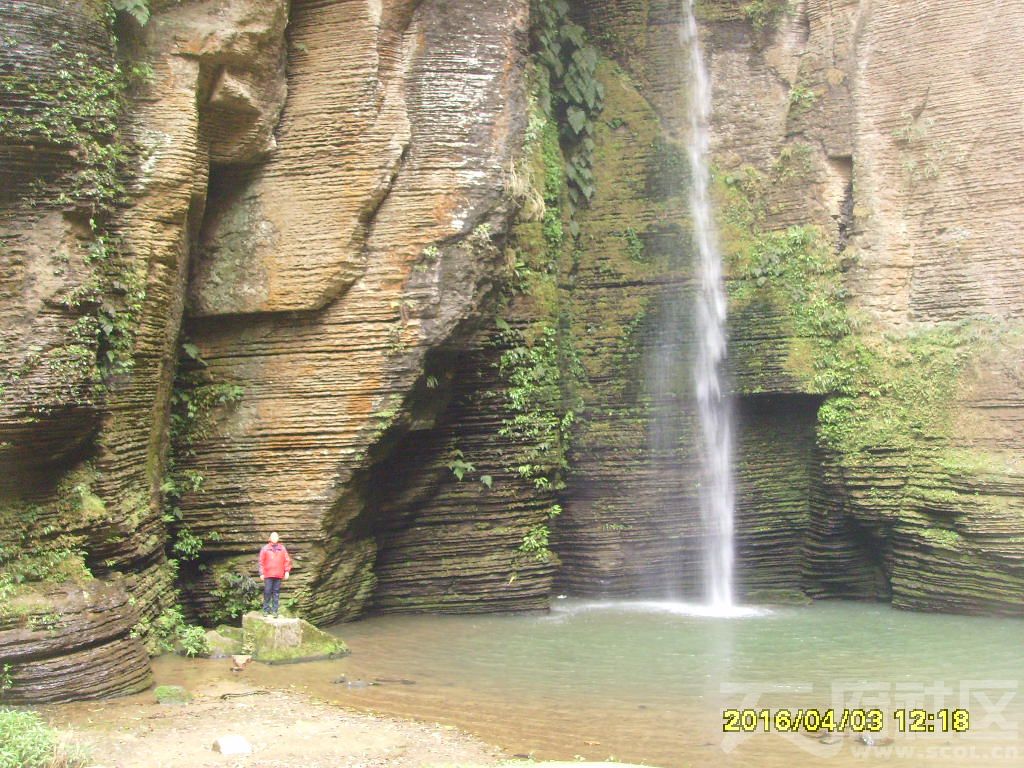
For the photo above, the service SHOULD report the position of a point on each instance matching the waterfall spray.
(717, 497)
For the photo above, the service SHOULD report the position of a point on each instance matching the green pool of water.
(648, 682)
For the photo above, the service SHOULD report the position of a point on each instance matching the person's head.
(274, 538)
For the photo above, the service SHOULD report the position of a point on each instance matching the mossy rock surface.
(229, 632)
(285, 640)
(172, 694)
(224, 641)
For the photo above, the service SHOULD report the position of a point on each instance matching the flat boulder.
(284, 640)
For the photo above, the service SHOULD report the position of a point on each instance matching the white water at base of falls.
(717, 497)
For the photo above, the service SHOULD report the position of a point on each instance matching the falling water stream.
(714, 408)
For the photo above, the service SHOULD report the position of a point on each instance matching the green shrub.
(137, 9)
(168, 633)
(192, 640)
(27, 742)
(764, 15)
(236, 594)
(575, 96)
(535, 542)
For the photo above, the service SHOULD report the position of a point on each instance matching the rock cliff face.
(301, 228)
(370, 237)
(326, 268)
(82, 357)
(859, 215)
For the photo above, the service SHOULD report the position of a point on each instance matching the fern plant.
(137, 9)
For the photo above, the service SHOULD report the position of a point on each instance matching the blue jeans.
(271, 594)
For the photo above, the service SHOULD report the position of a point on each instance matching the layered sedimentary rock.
(328, 185)
(377, 208)
(96, 278)
(450, 536)
(872, 113)
(69, 640)
(68, 501)
(366, 239)
(775, 469)
(934, 224)
(631, 523)
(838, 165)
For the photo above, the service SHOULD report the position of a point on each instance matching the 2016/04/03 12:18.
(856, 720)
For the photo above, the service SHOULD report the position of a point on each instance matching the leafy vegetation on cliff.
(533, 359)
(46, 543)
(539, 363)
(886, 421)
(765, 14)
(194, 401)
(137, 9)
(170, 633)
(574, 96)
(72, 113)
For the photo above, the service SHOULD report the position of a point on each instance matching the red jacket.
(275, 561)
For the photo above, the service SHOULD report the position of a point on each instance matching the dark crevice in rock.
(450, 544)
(842, 168)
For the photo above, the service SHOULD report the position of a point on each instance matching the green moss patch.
(171, 694)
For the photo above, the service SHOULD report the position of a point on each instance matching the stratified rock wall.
(454, 544)
(97, 275)
(630, 523)
(327, 190)
(860, 217)
(72, 641)
(775, 471)
(70, 507)
(376, 217)
(870, 150)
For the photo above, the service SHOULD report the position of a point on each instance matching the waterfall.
(717, 496)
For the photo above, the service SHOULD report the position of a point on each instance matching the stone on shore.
(283, 640)
(232, 745)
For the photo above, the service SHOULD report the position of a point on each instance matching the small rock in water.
(871, 740)
(343, 680)
(398, 680)
(239, 662)
(232, 745)
(172, 694)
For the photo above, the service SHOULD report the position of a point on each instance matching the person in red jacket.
(275, 565)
